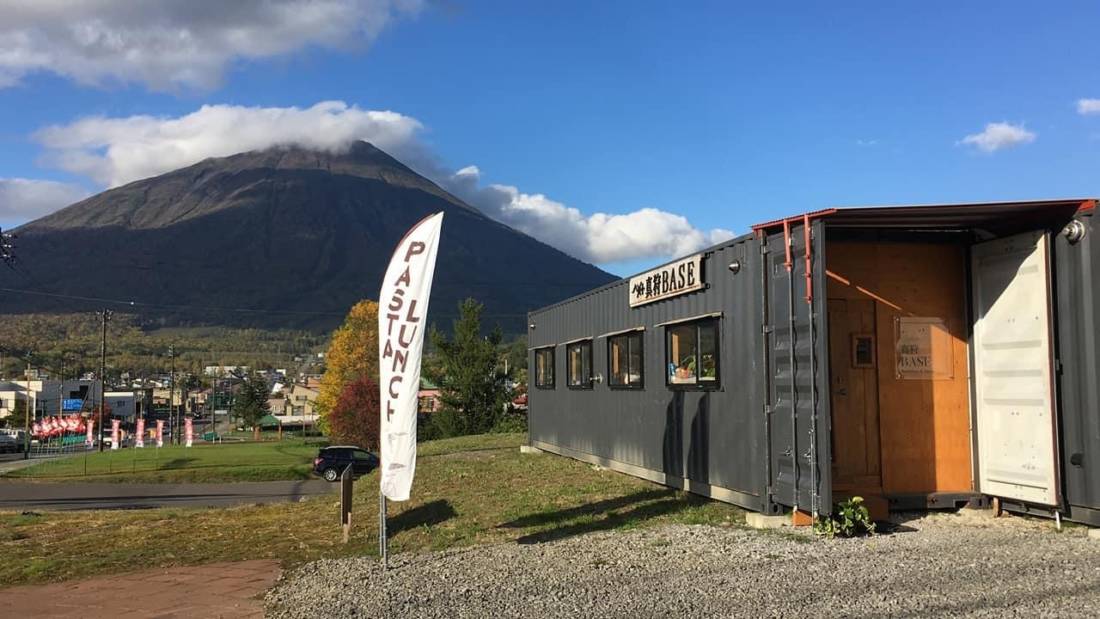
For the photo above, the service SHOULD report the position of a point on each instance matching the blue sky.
(724, 114)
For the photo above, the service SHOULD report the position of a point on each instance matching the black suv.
(331, 461)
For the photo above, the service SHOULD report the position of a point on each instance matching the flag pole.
(382, 541)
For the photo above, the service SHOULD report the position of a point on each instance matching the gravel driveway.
(936, 565)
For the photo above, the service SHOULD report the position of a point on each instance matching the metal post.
(27, 413)
(382, 541)
(814, 495)
(103, 374)
(172, 394)
(61, 389)
(791, 360)
(769, 330)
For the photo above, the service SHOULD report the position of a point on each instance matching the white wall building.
(48, 397)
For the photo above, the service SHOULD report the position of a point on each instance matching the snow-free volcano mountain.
(284, 237)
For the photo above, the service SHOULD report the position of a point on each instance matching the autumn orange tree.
(352, 354)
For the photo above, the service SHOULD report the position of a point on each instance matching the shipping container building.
(917, 356)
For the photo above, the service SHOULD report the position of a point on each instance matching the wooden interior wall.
(923, 423)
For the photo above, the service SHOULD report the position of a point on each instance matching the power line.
(238, 310)
(132, 303)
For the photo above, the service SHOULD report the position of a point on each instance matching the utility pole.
(61, 388)
(172, 413)
(27, 412)
(103, 373)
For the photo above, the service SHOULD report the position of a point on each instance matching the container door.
(798, 389)
(1013, 363)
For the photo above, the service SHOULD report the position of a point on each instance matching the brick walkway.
(212, 590)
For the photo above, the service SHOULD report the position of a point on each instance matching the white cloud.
(599, 237)
(1088, 106)
(113, 151)
(176, 43)
(23, 199)
(997, 136)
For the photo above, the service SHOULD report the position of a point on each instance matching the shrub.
(849, 519)
(509, 423)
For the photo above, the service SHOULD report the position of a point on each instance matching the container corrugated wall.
(711, 438)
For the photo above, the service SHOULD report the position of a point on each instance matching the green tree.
(471, 382)
(516, 355)
(250, 404)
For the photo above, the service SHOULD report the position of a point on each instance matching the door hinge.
(768, 409)
(766, 329)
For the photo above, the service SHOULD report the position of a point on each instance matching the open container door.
(1013, 363)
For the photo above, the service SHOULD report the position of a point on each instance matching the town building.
(225, 371)
(427, 398)
(300, 400)
(48, 397)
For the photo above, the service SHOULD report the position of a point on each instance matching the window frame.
(698, 385)
(590, 383)
(553, 370)
(640, 334)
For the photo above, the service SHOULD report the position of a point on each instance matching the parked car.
(9, 443)
(331, 461)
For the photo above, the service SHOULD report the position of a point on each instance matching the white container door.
(1013, 369)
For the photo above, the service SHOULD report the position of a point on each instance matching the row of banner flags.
(53, 427)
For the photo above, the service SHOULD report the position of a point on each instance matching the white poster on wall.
(924, 348)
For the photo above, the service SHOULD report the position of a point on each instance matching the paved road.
(50, 496)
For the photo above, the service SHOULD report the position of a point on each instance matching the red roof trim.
(779, 222)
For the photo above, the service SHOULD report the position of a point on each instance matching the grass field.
(222, 462)
(471, 490)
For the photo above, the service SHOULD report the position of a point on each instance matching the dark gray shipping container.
(764, 438)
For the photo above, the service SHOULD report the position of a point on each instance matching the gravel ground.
(936, 565)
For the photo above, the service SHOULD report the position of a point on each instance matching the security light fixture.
(1074, 231)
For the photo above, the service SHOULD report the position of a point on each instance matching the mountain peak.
(217, 182)
(287, 236)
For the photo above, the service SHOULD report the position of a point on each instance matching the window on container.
(578, 357)
(544, 368)
(692, 354)
(624, 360)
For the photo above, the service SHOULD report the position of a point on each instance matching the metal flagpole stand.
(382, 530)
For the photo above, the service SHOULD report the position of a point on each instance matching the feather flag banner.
(401, 324)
